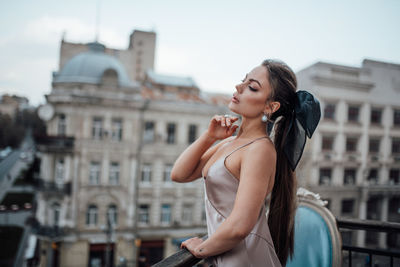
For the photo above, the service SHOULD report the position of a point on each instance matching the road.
(8, 162)
(12, 165)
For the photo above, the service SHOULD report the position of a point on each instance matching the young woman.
(242, 172)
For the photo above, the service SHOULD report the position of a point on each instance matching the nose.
(239, 87)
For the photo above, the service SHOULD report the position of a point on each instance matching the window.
(91, 215)
(325, 176)
(114, 173)
(97, 128)
(166, 214)
(349, 177)
(144, 214)
(60, 172)
(94, 173)
(329, 111)
(116, 129)
(148, 135)
(374, 144)
(351, 144)
(394, 176)
(55, 214)
(395, 145)
(396, 117)
(394, 205)
(167, 173)
(146, 173)
(376, 115)
(352, 113)
(348, 206)
(192, 133)
(187, 214)
(327, 143)
(373, 176)
(394, 208)
(112, 214)
(62, 125)
(171, 133)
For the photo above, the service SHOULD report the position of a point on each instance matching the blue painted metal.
(313, 243)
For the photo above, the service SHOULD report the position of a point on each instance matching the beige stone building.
(10, 105)
(353, 159)
(114, 129)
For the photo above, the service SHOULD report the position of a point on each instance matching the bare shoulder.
(261, 150)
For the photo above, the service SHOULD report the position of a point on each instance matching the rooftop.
(91, 66)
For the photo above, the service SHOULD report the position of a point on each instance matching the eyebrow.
(253, 80)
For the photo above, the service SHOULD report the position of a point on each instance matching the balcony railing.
(53, 187)
(45, 231)
(55, 143)
(374, 226)
(183, 258)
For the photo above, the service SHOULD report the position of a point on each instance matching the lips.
(235, 100)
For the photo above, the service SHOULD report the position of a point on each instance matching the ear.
(272, 107)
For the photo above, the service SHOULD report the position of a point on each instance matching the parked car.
(23, 155)
(4, 153)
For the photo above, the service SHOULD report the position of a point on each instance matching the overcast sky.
(214, 42)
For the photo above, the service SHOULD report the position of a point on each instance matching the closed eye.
(253, 89)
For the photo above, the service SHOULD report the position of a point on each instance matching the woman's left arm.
(257, 171)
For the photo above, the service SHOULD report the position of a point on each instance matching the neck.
(251, 128)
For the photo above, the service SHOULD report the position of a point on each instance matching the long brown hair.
(283, 198)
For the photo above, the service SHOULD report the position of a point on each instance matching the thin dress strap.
(236, 149)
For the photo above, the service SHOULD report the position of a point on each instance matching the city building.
(114, 129)
(353, 158)
(10, 105)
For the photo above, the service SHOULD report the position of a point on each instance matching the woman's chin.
(232, 107)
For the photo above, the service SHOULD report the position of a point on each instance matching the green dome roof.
(89, 67)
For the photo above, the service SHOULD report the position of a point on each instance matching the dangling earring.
(264, 118)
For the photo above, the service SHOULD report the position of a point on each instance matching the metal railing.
(374, 226)
(55, 143)
(183, 258)
(53, 187)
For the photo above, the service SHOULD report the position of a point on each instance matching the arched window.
(91, 215)
(112, 214)
(110, 77)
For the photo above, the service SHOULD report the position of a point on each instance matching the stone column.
(362, 214)
(384, 217)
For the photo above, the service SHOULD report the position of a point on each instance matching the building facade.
(353, 159)
(10, 105)
(113, 133)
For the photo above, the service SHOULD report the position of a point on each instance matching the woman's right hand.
(221, 127)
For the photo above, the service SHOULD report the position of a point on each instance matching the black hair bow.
(306, 116)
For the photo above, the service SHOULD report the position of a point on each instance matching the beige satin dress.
(257, 249)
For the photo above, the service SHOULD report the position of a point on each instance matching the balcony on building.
(395, 158)
(375, 158)
(55, 143)
(53, 188)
